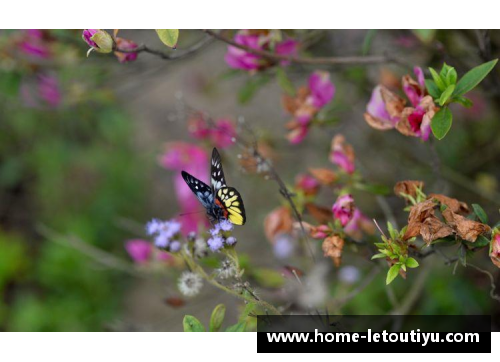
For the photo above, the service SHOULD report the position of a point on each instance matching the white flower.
(190, 284)
(200, 248)
(227, 269)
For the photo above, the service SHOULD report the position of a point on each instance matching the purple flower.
(226, 225)
(87, 36)
(215, 243)
(322, 89)
(283, 246)
(125, 44)
(259, 40)
(34, 44)
(48, 88)
(139, 250)
(349, 274)
(98, 40)
(376, 112)
(164, 232)
(415, 91)
(153, 227)
(175, 246)
(343, 209)
(231, 240)
(342, 154)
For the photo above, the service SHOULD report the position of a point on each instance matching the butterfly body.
(220, 201)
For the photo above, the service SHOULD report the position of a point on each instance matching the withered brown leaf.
(457, 207)
(321, 214)
(324, 175)
(418, 214)
(466, 229)
(408, 187)
(432, 229)
(332, 247)
(278, 221)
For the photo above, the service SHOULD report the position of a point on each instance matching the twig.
(188, 51)
(414, 293)
(492, 281)
(351, 60)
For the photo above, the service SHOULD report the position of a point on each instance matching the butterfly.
(220, 201)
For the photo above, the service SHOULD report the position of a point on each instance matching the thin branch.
(173, 56)
(492, 281)
(339, 303)
(275, 58)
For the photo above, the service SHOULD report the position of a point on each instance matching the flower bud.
(98, 40)
(495, 249)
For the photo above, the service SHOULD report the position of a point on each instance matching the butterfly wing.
(229, 199)
(202, 191)
(216, 174)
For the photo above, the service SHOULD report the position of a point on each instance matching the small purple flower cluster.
(166, 234)
(220, 235)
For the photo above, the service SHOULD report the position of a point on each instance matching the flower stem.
(198, 269)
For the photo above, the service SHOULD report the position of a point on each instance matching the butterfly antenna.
(191, 213)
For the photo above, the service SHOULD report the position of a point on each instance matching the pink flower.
(139, 250)
(358, 224)
(306, 105)
(48, 88)
(40, 91)
(343, 209)
(87, 35)
(376, 114)
(34, 44)
(224, 133)
(259, 40)
(415, 91)
(125, 44)
(320, 232)
(307, 183)
(322, 89)
(342, 154)
(193, 159)
(386, 110)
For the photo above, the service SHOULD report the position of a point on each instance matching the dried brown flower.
(408, 187)
(277, 222)
(324, 175)
(466, 229)
(332, 247)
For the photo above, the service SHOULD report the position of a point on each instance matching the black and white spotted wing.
(217, 178)
(202, 191)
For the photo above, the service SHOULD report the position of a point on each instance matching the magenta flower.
(306, 105)
(139, 250)
(34, 44)
(308, 184)
(48, 89)
(322, 89)
(224, 133)
(343, 209)
(342, 154)
(193, 159)
(87, 36)
(495, 248)
(376, 114)
(259, 40)
(125, 44)
(359, 224)
(415, 91)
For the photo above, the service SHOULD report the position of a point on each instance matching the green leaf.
(367, 42)
(268, 278)
(446, 94)
(217, 318)
(168, 37)
(392, 232)
(411, 263)
(284, 82)
(248, 91)
(451, 77)
(425, 35)
(480, 213)
(392, 273)
(378, 256)
(437, 79)
(432, 88)
(376, 189)
(466, 102)
(481, 241)
(191, 324)
(238, 327)
(441, 123)
(473, 77)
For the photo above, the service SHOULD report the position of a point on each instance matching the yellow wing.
(232, 203)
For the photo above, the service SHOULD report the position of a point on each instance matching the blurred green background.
(79, 158)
